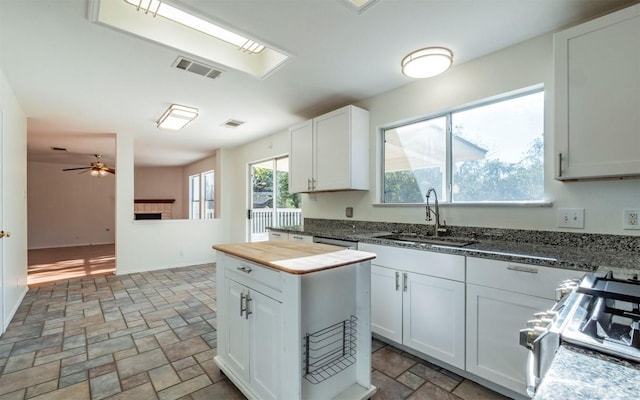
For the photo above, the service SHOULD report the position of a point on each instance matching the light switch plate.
(571, 218)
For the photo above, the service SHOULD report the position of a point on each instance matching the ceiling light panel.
(177, 29)
(177, 117)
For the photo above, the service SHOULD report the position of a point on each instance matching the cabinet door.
(598, 97)
(266, 345)
(237, 327)
(386, 302)
(494, 320)
(332, 150)
(301, 157)
(434, 317)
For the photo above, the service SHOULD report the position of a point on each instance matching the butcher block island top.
(295, 257)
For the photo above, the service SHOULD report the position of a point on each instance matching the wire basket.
(330, 350)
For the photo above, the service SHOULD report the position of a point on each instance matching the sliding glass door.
(270, 202)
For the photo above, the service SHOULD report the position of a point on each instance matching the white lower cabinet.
(424, 311)
(254, 338)
(501, 298)
(291, 336)
(494, 319)
(433, 313)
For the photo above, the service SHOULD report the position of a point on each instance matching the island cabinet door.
(434, 314)
(386, 302)
(237, 327)
(266, 345)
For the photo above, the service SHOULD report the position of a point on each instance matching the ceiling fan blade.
(110, 170)
(75, 169)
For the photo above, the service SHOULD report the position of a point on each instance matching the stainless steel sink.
(435, 241)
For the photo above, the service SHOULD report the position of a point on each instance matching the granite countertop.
(587, 257)
(578, 373)
(295, 257)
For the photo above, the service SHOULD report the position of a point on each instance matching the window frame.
(201, 191)
(448, 173)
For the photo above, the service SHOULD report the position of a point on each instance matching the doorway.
(270, 203)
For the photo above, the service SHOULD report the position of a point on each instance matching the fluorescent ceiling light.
(427, 62)
(187, 32)
(157, 7)
(176, 117)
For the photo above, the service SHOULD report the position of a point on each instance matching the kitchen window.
(201, 196)
(491, 152)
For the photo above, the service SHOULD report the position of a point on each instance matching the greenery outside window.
(491, 152)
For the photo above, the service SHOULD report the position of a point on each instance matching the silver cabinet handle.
(247, 311)
(276, 234)
(297, 237)
(242, 304)
(397, 281)
(244, 269)
(559, 165)
(404, 281)
(518, 268)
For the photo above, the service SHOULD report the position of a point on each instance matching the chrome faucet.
(438, 227)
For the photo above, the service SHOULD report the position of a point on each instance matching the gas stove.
(599, 312)
(607, 316)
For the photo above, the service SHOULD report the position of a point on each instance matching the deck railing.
(262, 218)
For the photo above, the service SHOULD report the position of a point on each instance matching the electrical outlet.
(571, 218)
(631, 219)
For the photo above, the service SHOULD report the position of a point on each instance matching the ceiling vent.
(232, 123)
(197, 68)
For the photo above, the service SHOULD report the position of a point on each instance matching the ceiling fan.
(97, 168)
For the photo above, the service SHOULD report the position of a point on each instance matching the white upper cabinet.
(330, 152)
(597, 105)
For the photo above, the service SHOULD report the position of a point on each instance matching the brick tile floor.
(152, 335)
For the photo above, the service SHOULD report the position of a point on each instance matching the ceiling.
(79, 83)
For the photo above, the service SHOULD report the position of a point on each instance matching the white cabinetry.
(330, 152)
(252, 349)
(501, 297)
(290, 236)
(597, 73)
(265, 315)
(418, 299)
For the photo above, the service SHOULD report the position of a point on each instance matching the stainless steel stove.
(599, 312)
(607, 317)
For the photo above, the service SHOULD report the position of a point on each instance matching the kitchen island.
(294, 320)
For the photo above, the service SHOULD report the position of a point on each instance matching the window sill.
(530, 204)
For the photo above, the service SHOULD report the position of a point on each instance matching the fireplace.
(150, 208)
(139, 216)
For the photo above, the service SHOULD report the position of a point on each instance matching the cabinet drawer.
(278, 235)
(251, 274)
(301, 238)
(440, 265)
(528, 279)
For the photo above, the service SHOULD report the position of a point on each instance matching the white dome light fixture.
(427, 62)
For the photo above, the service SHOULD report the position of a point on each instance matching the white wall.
(162, 183)
(68, 209)
(13, 165)
(157, 244)
(525, 64)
